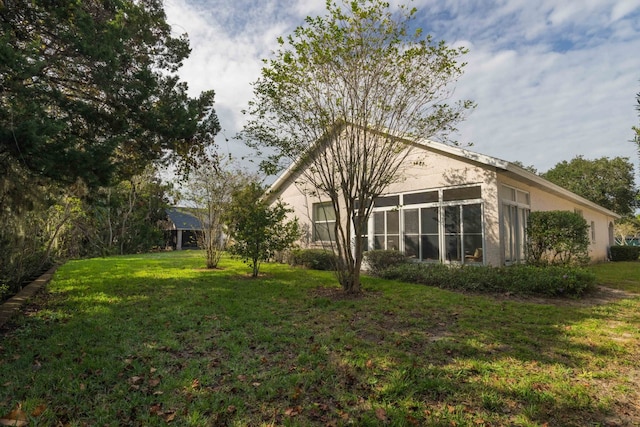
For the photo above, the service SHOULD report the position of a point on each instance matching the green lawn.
(156, 339)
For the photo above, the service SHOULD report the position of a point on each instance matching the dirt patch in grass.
(337, 294)
(601, 295)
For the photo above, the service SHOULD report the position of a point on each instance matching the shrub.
(625, 253)
(557, 237)
(380, 260)
(521, 279)
(315, 259)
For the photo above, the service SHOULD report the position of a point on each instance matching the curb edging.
(10, 307)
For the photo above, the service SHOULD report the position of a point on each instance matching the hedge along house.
(450, 205)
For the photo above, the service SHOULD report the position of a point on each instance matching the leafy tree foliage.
(210, 188)
(259, 230)
(557, 237)
(636, 129)
(626, 229)
(329, 97)
(606, 182)
(88, 90)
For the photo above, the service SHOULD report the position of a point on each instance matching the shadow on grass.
(137, 340)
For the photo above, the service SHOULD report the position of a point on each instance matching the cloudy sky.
(552, 79)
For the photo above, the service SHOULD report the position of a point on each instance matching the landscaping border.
(10, 307)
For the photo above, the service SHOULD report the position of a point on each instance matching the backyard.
(156, 339)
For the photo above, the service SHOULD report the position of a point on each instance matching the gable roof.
(510, 169)
(183, 220)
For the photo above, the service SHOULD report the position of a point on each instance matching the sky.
(552, 79)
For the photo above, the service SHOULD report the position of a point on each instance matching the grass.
(619, 275)
(156, 339)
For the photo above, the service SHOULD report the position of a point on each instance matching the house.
(182, 229)
(452, 205)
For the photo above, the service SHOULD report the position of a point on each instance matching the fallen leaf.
(16, 418)
(292, 412)
(369, 364)
(195, 384)
(153, 382)
(169, 416)
(136, 380)
(381, 414)
(413, 421)
(39, 410)
(83, 387)
(231, 409)
(242, 378)
(153, 370)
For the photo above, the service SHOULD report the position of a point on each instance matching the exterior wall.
(426, 169)
(542, 200)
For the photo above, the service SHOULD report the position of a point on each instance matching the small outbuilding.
(183, 229)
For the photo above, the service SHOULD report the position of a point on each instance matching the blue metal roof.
(183, 220)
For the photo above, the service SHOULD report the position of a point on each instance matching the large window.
(386, 230)
(439, 225)
(515, 214)
(324, 221)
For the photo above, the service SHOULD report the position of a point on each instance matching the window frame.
(440, 206)
(329, 223)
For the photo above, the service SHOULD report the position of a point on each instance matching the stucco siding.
(542, 200)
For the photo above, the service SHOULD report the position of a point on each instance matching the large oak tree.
(607, 182)
(339, 95)
(88, 89)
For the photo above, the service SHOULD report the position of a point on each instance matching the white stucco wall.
(542, 200)
(425, 170)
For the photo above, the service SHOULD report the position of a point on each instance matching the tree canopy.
(88, 90)
(340, 95)
(606, 182)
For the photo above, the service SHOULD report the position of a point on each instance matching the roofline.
(519, 172)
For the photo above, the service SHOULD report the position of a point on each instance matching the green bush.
(380, 260)
(557, 238)
(625, 253)
(521, 279)
(315, 259)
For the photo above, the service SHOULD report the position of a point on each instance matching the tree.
(627, 228)
(636, 129)
(257, 229)
(88, 90)
(606, 182)
(329, 97)
(210, 188)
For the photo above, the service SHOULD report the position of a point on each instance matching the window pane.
(461, 193)
(378, 242)
(411, 246)
(378, 222)
(472, 217)
(473, 248)
(425, 197)
(452, 246)
(411, 224)
(324, 212)
(382, 202)
(393, 243)
(324, 232)
(452, 219)
(523, 197)
(429, 220)
(393, 222)
(430, 250)
(508, 193)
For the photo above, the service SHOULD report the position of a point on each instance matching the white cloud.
(552, 79)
